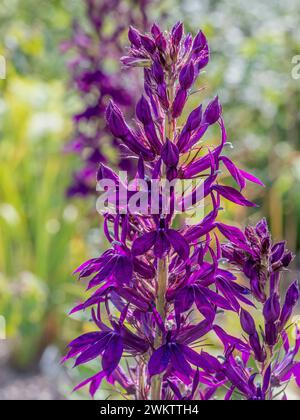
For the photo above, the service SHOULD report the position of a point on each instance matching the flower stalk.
(155, 280)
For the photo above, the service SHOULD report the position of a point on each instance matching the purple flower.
(161, 241)
(161, 275)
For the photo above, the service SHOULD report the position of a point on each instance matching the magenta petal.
(112, 354)
(217, 299)
(204, 306)
(95, 383)
(178, 361)
(179, 244)
(162, 245)
(141, 245)
(296, 373)
(93, 351)
(233, 195)
(159, 361)
(87, 338)
(123, 269)
(144, 269)
(234, 171)
(251, 178)
(234, 235)
(196, 359)
(184, 299)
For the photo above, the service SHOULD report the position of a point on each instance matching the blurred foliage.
(41, 236)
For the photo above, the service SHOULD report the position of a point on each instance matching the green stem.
(162, 269)
(162, 284)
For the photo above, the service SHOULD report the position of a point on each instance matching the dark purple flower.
(160, 273)
(161, 240)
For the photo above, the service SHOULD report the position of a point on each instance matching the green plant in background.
(37, 226)
(40, 236)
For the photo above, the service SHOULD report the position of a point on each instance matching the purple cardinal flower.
(164, 283)
(110, 343)
(161, 240)
(177, 355)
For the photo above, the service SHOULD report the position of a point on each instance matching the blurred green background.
(43, 235)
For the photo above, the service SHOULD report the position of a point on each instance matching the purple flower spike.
(89, 73)
(162, 274)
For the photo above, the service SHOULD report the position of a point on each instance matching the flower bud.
(199, 43)
(291, 298)
(247, 322)
(213, 111)
(177, 33)
(158, 72)
(186, 76)
(148, 44)
(143, 111)
(170, 154)
(194, 119)
(262, 228)
(155, 30)
(161, 42)
(163, 96)
(271, 334)
(179, 103)
(277, 252)
(259, 352)
(134, 37)
(271, 309)
(188, 42)
(116, 121)
(287, 259)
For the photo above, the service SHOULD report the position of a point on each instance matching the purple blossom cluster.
(97, 76)
(159, 296)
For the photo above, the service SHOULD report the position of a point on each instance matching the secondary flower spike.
(160, 295)
(92, 46)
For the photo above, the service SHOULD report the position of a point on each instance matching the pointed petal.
(142, 244)
(92, 352)
(112, 354)
(162, 245)
(233, 195)
(179, 243)
(178, 361)
(159, 361)
(234, 171)
(123, 269)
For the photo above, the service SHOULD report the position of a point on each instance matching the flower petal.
(142, 244)
(112, 354)
(159, 361)
(179, 244)
(233, 195)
